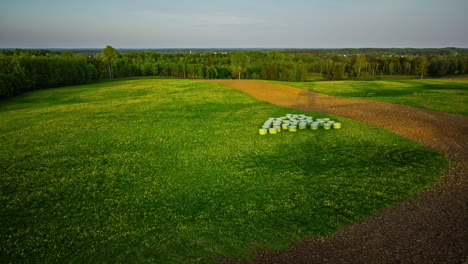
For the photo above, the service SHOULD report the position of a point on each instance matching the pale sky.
(233, 23)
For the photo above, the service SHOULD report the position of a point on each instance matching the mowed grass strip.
(174, 171)
(443, 95)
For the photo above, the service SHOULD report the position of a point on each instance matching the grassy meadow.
(314, 76)
(174, 171)
(437, 94)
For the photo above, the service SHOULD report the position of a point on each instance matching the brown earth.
(429, 227)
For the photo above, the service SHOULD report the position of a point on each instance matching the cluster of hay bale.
(293, 123)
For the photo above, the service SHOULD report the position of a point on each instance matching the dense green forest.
(27, 70)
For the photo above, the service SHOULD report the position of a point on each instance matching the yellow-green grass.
(442, 95)
(313, 76)
(174, 171)
(397, 77)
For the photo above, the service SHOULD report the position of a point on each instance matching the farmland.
(442, 95)
(171, 171)
(27, 70)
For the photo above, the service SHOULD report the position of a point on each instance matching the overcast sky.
(233, 23)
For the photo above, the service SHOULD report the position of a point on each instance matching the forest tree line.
(27, 70)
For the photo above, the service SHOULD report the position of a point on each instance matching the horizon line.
(188, 48)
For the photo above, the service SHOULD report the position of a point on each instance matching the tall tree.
(423, 65)
(239, 61)
(109, 55)
(361, 63)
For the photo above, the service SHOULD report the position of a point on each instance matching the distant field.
(174, 171)
(438, 94)
(312, 76)
(385, 77)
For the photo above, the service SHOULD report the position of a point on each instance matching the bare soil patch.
(429, 227)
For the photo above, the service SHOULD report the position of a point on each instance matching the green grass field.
(174, 171)
(394, 77)
(442, 95)
(313, 76)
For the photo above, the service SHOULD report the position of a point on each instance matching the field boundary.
(429, 227)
